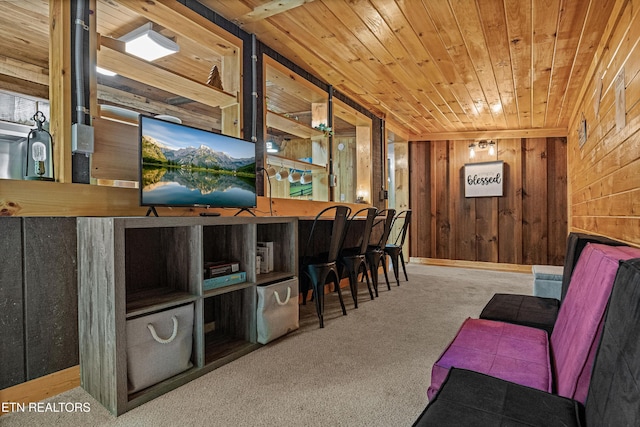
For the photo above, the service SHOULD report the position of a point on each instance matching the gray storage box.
(277, 312)
(159, 346)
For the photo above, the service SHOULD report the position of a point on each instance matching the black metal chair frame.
(320, 269)
(375, 253)
(394, 250)
(353, 261)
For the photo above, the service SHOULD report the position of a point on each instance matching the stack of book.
(222, 273)
(265, 252)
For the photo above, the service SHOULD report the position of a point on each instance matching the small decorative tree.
(214, 78)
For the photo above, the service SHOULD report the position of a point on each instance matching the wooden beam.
(22, 70)
(24, 87)
(291, 126)
(60, 87)
(185, 22)
(269, 9)
(130, 100)
(492, 134)
(112, 57)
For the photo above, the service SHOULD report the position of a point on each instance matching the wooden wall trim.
(514, 268)
(492, 134)
(43, 387)
(34, 198)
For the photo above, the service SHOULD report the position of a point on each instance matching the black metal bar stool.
(375, 252)
(394, 250)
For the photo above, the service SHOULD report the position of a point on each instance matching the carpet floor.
(369, 368)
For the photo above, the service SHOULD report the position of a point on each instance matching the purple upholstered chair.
(470, 398)
(525, 355)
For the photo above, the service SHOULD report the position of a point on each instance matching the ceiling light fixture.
(105, 72)
(148, 44)
(472, 151)
(480, 146)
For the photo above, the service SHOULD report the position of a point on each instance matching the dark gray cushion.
(614, 391)
(540, 312)
(469, 398)
(527, 310)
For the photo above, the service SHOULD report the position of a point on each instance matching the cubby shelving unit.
(129, 267)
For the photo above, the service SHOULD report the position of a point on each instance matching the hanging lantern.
(39, 162)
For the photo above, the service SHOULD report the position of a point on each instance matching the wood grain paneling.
(420, 199)
(510, 206)
(604, 174)
(534, 201)
(527, 225)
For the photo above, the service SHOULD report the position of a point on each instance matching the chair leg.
(395, 264)
(319, 299)
(374, 273)
(384, 269)
(404, 268)
(336, 283)
(353, 284)
(366, 276)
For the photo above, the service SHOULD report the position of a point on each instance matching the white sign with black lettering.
(483, 179)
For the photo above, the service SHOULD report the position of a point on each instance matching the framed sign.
(483, 179)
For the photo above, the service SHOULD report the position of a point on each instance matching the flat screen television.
(185, 166)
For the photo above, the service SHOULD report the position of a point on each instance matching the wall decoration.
(582, 131)
(597, 96)
(621, 109)
(483, 179)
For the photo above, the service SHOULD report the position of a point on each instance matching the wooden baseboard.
(497, 266)
(41, 388)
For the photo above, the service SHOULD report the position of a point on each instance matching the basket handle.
(162, 340)
(278, 296)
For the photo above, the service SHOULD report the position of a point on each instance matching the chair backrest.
(575, 245)
(400, 238)
(389, 216)
(614, 392)
(575, 334)
(368, 226)
(338, 231)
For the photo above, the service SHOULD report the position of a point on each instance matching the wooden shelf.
(136, 266)
(156, 300)
(274, 276)
(294, 127)
(278, 161)
(111, 56)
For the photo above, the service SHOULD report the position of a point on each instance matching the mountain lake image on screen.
(185, 166)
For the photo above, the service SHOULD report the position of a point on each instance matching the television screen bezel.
(189, 205)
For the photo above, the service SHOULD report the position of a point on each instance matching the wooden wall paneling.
(510, 205)
(463, 210)
(60, 87)
(441, 215)
(51, 295)
(363, 162)
(534, 205)
(12, 368)
(421, 240)
(556, 199)
(344, 165)
(487, 223)
(116, 151)
(604, 172)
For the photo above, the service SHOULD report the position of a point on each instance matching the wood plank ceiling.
(438, 67)
(431, 68)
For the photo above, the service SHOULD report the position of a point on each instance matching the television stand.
(151, 210)
(244, 209)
